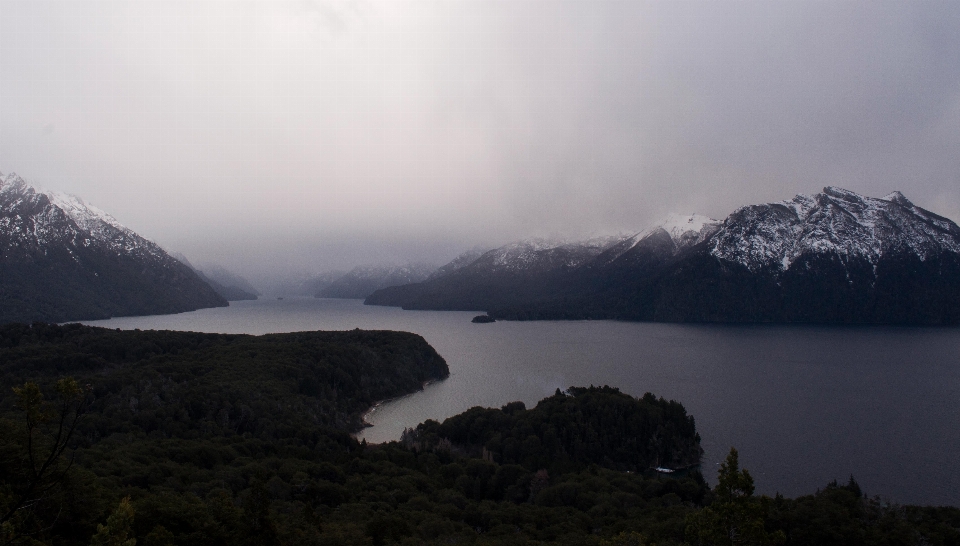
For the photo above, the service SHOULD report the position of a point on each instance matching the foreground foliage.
(193, 439)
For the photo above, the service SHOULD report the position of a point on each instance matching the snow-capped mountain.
(685, 230)
(63, 259)
(833, 257)
(518, 271)
(362, 281)
(541, 255)
(461, 261)
(836, 222)
(670, 236)
(33, 219)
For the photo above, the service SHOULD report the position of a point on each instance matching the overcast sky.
(314, 135)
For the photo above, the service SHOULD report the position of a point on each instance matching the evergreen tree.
(118, 528)
(735, 517)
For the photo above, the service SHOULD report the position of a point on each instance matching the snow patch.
(680, 225)
(85, 215)
(684, 229)
(836, 221)
(87, 225)
(545, 254)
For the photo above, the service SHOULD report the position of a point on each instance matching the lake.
(803, 404)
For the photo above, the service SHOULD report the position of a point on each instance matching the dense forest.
(171, 438)
(569, 431)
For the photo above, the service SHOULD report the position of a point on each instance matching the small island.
(483, 319)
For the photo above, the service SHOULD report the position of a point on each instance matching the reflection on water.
(804, 405)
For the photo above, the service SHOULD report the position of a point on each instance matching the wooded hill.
(174, 438)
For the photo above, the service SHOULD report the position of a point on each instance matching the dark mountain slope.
(61, 259)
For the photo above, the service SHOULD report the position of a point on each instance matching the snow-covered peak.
(35, 217)
(83, 214)
(684, 230)
(836, 221)
(688, 229)
(682, 223)
(13, 187)
(86, 216)
(842, 193)
(897, 197)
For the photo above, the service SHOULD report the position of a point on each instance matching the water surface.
(803, 405)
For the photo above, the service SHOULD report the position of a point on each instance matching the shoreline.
(364, 424)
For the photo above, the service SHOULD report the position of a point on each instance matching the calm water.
(803, 405)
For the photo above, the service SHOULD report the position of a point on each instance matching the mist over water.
(804, 405)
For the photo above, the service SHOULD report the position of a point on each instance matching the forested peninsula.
(157, 438)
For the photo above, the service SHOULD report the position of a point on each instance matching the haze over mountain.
(362, 281)
(62, 259)
(833, 257)
(234, 287)
(305, 285)
(314, 135)
(230, 286)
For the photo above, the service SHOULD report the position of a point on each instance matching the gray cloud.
(324, 134)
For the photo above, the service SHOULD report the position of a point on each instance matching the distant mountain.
(668, 238)
(362, 281)
(516, 273)
(61, 259)
(229, 278)
(459, 262)
(300, 284)
(229, 292)
(229, 285)
(834, 257)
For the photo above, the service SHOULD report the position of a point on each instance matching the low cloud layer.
(312, 135)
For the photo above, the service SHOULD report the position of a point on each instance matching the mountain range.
(518, 272)
(62, 259)
(362, 281)
(833, 257)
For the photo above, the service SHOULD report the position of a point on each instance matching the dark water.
(803, 405)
